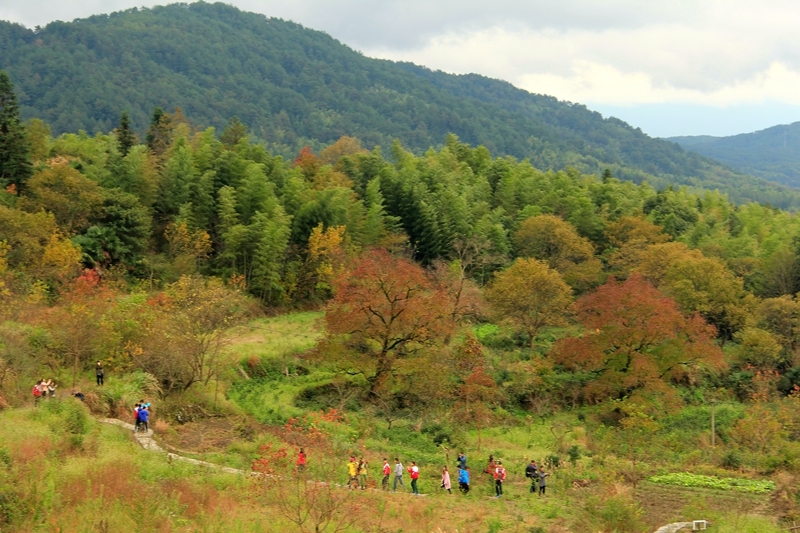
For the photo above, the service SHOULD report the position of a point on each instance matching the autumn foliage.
(387, 309)
(636, 338)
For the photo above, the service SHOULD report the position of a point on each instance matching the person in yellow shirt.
(362, 473)
(352, 470)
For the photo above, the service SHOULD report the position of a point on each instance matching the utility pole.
(713, 429)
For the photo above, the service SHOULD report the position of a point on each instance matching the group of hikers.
(357, 474)
(141, 415)
(44, 388)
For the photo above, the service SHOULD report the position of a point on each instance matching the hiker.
(51, 388)
(413, 470)
(387, 470)
(532, 472)
(98, 370)
(43, 389)
(79, 395)
(499, 477)
(301, 461)
(491, 465)
(37, 393)
(398, 475)
(136, 420)
(542, 481)
(462, 461)
(446, 479)
(463, 480)
(352, 471)
(362, 473)
(144, 415)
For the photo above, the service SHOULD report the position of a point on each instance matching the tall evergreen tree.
(159, 135)
(125, 137)
(15, 161)
(234, 132)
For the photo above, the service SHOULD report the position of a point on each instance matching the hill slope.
(772, 154)
(293, 86)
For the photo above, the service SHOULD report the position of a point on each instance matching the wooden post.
(713, 429)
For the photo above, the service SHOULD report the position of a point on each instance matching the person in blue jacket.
(144, 415)
(463, 480)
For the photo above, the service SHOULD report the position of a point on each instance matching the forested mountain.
(293, 87)
(772, 154)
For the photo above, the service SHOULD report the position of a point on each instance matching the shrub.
(621, 516)
(552, 461)
(118, 397)
(732, 460)
(574, 454)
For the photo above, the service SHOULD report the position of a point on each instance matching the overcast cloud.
(644, 61)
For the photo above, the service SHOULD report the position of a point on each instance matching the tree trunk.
(381, 374)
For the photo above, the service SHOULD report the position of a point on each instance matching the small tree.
(476, 396)
(189, 330)
(384, 311)
(308, 499)
(636, 339)
(530, 295)
(634, 437)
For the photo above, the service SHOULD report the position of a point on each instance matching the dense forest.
(190, 201)
(294, 87)
(771, 154)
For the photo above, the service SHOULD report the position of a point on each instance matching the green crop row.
(685, 479)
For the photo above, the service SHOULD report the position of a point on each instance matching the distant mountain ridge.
(772, 154)
(293, 87)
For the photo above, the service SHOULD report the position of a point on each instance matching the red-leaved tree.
(387, 309)
(636, 338)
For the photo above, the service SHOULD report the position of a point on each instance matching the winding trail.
(146, 441)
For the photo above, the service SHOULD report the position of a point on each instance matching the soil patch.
(664, 503)
(209, 435)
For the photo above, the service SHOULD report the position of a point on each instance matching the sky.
(677, 67)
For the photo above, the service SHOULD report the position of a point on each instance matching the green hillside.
(293, 87)
(772, 154)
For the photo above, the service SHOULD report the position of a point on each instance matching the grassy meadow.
(63, 470)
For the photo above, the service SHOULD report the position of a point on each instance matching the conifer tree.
(15, 162)
(159, 135)
(125, 137)
(234, 132)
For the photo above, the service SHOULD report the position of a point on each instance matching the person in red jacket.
(499, 477)
(301, 461)
(414, 471)
(387, 470)
(37, 392)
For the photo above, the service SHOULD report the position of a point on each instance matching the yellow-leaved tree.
(556, 242)
(530, 295)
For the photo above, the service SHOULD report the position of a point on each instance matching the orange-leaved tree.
(477, 393)
(636, 338)
(385, 310)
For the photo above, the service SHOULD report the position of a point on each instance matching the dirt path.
(146, 441)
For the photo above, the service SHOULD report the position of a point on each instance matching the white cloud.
(728, 53)
(595, 83)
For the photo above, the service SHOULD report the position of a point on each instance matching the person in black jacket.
(532, 472)
(98, 370)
